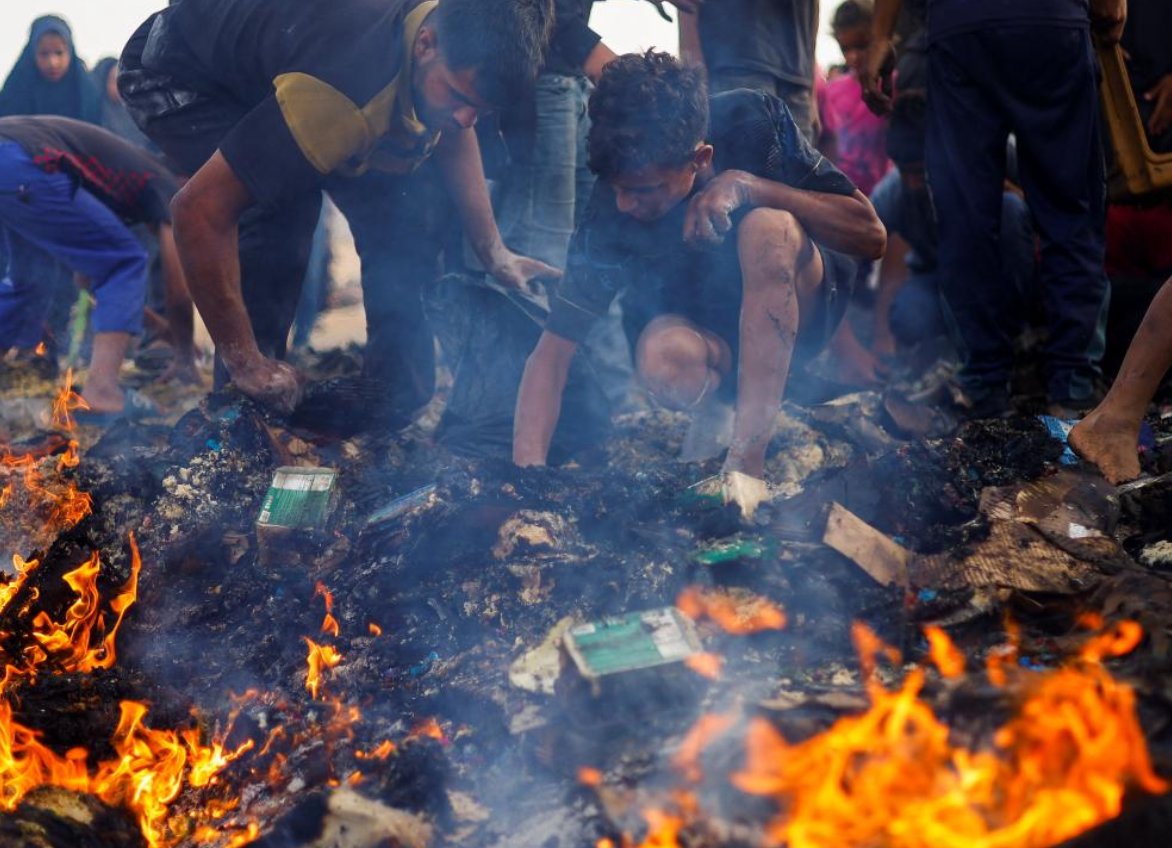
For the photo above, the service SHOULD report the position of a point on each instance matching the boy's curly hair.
(648, 110)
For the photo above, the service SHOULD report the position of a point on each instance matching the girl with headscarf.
(49, 78)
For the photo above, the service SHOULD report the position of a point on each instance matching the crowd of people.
(713, 228)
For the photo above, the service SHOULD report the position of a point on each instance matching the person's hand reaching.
(274, 384)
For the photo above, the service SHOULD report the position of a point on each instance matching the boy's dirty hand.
(709, 217)
(274, 384)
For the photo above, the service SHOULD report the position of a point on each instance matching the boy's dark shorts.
(711, 297)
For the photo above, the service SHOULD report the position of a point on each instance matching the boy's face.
(445, 99)
(854, 43)
(650, 193)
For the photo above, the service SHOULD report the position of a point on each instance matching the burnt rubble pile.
(452, 583)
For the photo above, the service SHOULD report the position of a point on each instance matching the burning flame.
(737, 618)
(65, 403)
(382, 752)
(320, 658)
(892, 776)
(429, 728)
(152, 766)
(329, 624)
(68, 642)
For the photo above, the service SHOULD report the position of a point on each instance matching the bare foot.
(853, 364)
(1108, 444)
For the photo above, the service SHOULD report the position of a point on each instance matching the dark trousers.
(1039, 83)
(398, 222)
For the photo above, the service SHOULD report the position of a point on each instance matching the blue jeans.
(1039, 83)
(51, 213)
(918, 312)
(549, 184)
(544, 197)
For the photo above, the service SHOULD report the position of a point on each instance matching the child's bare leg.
(781, 270)
(1108, 435)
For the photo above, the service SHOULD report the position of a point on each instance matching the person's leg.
(1108, 435)
(82, 232)
(781, 271)
(681, 364)
(965, 157)
(1051, 95)
(313, 290)
(399, 224)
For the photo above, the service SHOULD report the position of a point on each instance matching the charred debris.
(482, 633)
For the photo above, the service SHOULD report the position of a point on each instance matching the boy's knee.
(673, 362)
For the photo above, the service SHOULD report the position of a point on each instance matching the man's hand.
(1161, 95)
(516, 271)
(873, 75)
(274, 384)
(709, 217)
(1108, 17)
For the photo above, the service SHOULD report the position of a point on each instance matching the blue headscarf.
(27, 92)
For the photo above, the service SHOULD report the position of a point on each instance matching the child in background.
(49, 78)
(852, 137)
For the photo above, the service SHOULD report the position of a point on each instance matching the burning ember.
(892, 776)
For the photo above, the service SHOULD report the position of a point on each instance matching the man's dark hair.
(648, 110)
(850, 15)
(503, 40)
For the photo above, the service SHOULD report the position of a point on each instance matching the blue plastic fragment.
(927, 595)
(1059, 431)
(1026, 662)
(214, 444)
(425, 666)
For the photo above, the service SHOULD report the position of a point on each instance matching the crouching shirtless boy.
(729, 237)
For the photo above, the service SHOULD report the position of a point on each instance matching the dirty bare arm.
(205, 214)
(458, 157)
(846, 223)
(539, 400)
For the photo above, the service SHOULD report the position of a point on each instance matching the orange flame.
(738, 619)
(69, 642)
(382, 752)
(320, 658)
(706, 731)
(375, 630)
(588, 776)
(427, 729)
(891, 775)
(41, 349)
(945, 656)
(706, 665)
(66, 401)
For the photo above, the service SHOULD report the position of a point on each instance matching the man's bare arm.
(539, 401)
(205, 214)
